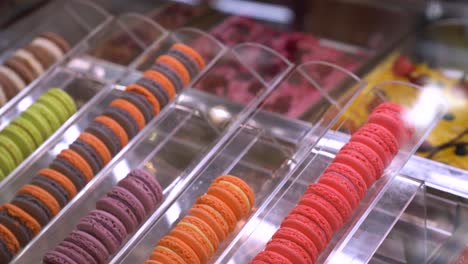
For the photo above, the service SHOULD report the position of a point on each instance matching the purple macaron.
(90, 244)
(142, 191)
(150, 181)
(55, 257)
(76, 253)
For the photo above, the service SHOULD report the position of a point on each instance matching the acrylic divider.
(151, 143)
(261, 229)
(246, 154)
(110, 52)
(79, 20)
(87, 93)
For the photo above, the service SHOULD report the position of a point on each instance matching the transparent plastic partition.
(108, 53)
(259, 230)
(263, 152)
(85, 92)
(158, 150)
(74, 20)
(205, 44)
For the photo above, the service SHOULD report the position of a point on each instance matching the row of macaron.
(28, 63)
(327, 204)
(31, 128)
(215, 214)
(100, 233)
(39, 201)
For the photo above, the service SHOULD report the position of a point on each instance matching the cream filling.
(194, 227)
(239, 190)
(49, 46)
(12, 76)
(3, 98)
(161, 248)
(29, 57)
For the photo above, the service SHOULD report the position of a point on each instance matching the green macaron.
(55, 106)
(12, 148)
(30, 129)
(22, 139)
(66, 100)
(51, 118)
(40, 122)
(6, 162)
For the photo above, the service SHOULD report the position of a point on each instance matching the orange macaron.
(118, 130)
(132, 110)
(194, 239)
(23, 217)
(10, 240)
(60, 179)
(79, 162)
(221, 207)
(190, 52)
(213, 218)
(177, 66)
(42, 195)
(98, 145)
(147, 94)
(166, 255)
(163, 80)
(179, 247)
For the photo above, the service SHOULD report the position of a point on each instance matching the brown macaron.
(21, 68)
(57, 39)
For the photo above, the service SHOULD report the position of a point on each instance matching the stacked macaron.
(75, 166)
(327, 204)
(28, 63)
(29, 130)
(215, 214)
(100, 234)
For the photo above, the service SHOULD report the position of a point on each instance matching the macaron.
(30, 129)
(140, 101)
(170, 74)
(190, 52)
(325, 208)
(289, 250)
(116, 204)
(66, 168)
(9, 245)
(308, 227)
(64, 185)
(39, 121)
(316, 217)
(150, 181)
(54, 188)
(89, 154)
(22, 139)
(34, 207)
(78, 162)
(208, 233)
(106, 136)
(141, 191)
(7, 163)
(55, 105)
(74, 252)
(180, 248)
(65, 99)
(48, 46)
(14, 150)
(49, 115)
(156, 89)
(57, 39)
(270, 257)
(19, 222)
(333, 197)
(162, 80)
(177, 66)
(41, 54)
(56, 257)
(11, 82)
(213, 218)
(359, 162)
(195, 239)
(93, 227)
(378, 139)
(118, 130)
(156, 106)
(299, 239)
(165, 255)
(189, 63)
(89, 243)
(132, 110)
(220, 207)
(343, 186)
(21, 68)
(99, 146)
(349, 174)
(43, 196)
(30, 61)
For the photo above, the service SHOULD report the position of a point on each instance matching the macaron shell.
(177, 66)
(150, 181)
(148, 95)
(227, 197)
(89, 225)
(119, 210)
(370, 155)
(162, 80)
(271, 258)
(325, 208)
(67, 101)
(140, 101)
(33, 207)
(9, 238)
(46, 198)
(64, 167)
(308, 228)
(316, 217)
(54, 257)
(89, 244)
(38, 121)
(166, 256)
(299, 239)
(79, 162)
(126, 197)
(333, 197)
(221, 207)
(88, 154)
(191, 53)
(6, 162)
(22, 217)
(392, 124)
(132, 110)
(115, 127)
(111, 222)
(343, 186)
(350, 174)
(12, 148)
(21, 139)
(30, 129)
(138, 188)
(49, 115)
(213, 218)
(179, 247)
(194, 240)
(358, 162)
(98, 146)
(105, 135)
(295, 253)
(203, 228)
(75, 253)
(55, 106)
(239, 183)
